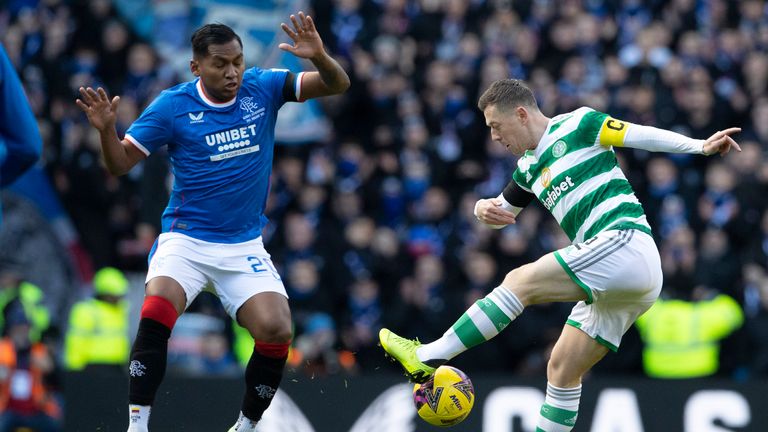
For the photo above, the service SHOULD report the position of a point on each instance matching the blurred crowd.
(374, 226)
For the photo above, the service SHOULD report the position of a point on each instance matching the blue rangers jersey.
(220, 154)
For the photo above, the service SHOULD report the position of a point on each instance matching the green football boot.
(404, 351)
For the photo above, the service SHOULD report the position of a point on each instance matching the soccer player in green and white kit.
(612, 268)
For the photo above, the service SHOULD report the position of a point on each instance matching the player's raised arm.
(503, 210)
(330, 78)
(119, 156)
(618, 133)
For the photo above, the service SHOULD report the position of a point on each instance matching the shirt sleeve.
(292, 87)
(20, 142)
(514, 198)
(618, 133)
(154, 127)
(275, 80)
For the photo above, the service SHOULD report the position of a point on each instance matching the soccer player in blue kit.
(219, 129)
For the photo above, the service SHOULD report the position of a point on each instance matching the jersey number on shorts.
(263, 264)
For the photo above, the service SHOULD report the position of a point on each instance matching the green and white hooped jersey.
(574, 173)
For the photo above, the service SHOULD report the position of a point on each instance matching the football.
(446, 399)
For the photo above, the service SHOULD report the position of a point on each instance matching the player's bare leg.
(268, 319)
(573, 356)
(165, 300)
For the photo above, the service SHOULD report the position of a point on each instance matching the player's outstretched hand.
(306, 40)
(490, 212)
(721, 142)
(101, 112)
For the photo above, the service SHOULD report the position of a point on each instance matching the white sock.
(482, 321)
(244, 424)
(560, 409)
(138, 418)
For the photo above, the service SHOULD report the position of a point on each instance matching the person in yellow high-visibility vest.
(682, 338)
(14, 288)
(98, 327)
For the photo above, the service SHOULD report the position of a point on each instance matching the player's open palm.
(721, 142)
(306, 39)
(101, 111)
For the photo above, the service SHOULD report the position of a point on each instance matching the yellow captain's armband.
(612, 132)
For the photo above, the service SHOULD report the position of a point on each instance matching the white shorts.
(620, 270)
(234, 272)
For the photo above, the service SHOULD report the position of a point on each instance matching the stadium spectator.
(362, 320)
(718, 206)
(215, 357)
(718, 265)
(217, 217)
(26, 400)
(314, 348)
(679, 259)
(16, 292)
(98, 327)
(667, 200)
(682, 336)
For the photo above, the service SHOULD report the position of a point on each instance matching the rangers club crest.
(251, 110)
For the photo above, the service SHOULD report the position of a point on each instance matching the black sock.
(262, 377)
(148, 359)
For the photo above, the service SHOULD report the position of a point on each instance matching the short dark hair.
(212, 34)
(507, 94)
